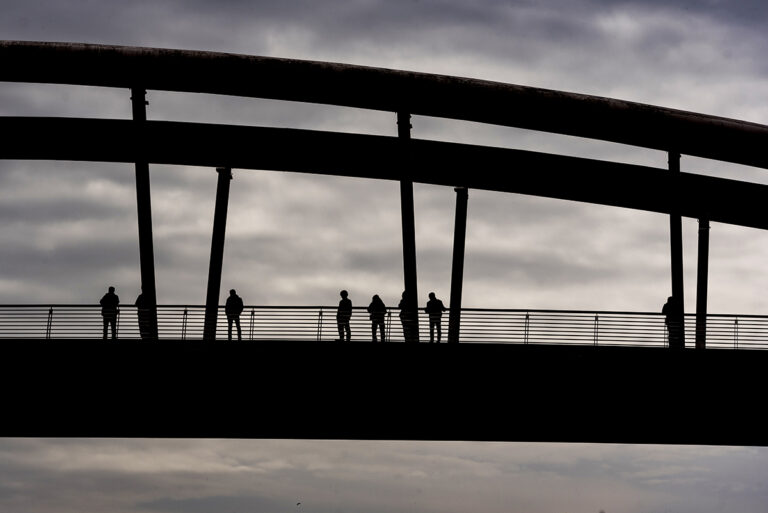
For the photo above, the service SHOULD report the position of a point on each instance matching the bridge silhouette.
(459, 391)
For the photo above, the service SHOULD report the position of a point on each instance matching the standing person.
(343, 314)
(377, 309)
(142, 312)
(673, 317)
(435, 309)
(233, 309)
(109, 311)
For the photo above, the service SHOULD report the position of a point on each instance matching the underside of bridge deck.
(383, 391)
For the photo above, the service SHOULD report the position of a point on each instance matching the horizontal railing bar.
(285, 323)
(329, 310)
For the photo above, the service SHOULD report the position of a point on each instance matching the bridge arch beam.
(364, 87)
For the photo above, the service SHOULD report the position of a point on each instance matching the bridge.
(505, 389)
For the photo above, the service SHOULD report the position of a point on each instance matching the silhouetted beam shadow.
(389, 90)
(379, 157)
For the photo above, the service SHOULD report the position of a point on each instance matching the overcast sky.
(68, 231)
(272, 476)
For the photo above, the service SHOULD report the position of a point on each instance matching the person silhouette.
(673, 318)
(233, 309)
(142, 312)
(343, 314)
(377, 309)
(435, 309)
(109, 303)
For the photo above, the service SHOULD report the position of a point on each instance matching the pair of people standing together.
(377, 310)
(109, 310)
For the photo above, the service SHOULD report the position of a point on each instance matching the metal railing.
(318, 323)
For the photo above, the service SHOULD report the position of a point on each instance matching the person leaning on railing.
(435, 309)
(377, 309)
(673, 319)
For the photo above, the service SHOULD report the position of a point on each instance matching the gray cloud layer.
(171, 476)
(69, 229)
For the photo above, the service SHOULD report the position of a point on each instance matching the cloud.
(197, 475)
(298, 239)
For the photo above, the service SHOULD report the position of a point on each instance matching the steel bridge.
(473, 381)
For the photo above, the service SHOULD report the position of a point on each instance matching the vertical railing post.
(457, 267)
(389, 325)
(736, 333)
(49, 324)
(411, 326)
(252, 316)
(144, 208)
(217, 253)
(702, 272)
(677, 334)
(525, 329)
(184, 319)
(594, 336)
(320, 324)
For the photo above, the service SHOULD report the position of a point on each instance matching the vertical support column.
(677, 330)
(702, 273)
(411, 321)
(144, 208)
(457, 269)
(217, 253)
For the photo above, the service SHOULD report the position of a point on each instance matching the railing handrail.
(303, 322)
(328, 308)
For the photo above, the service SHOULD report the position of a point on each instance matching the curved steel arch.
(380, 157)
(468, 99)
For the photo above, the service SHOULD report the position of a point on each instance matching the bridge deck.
(383, 391)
